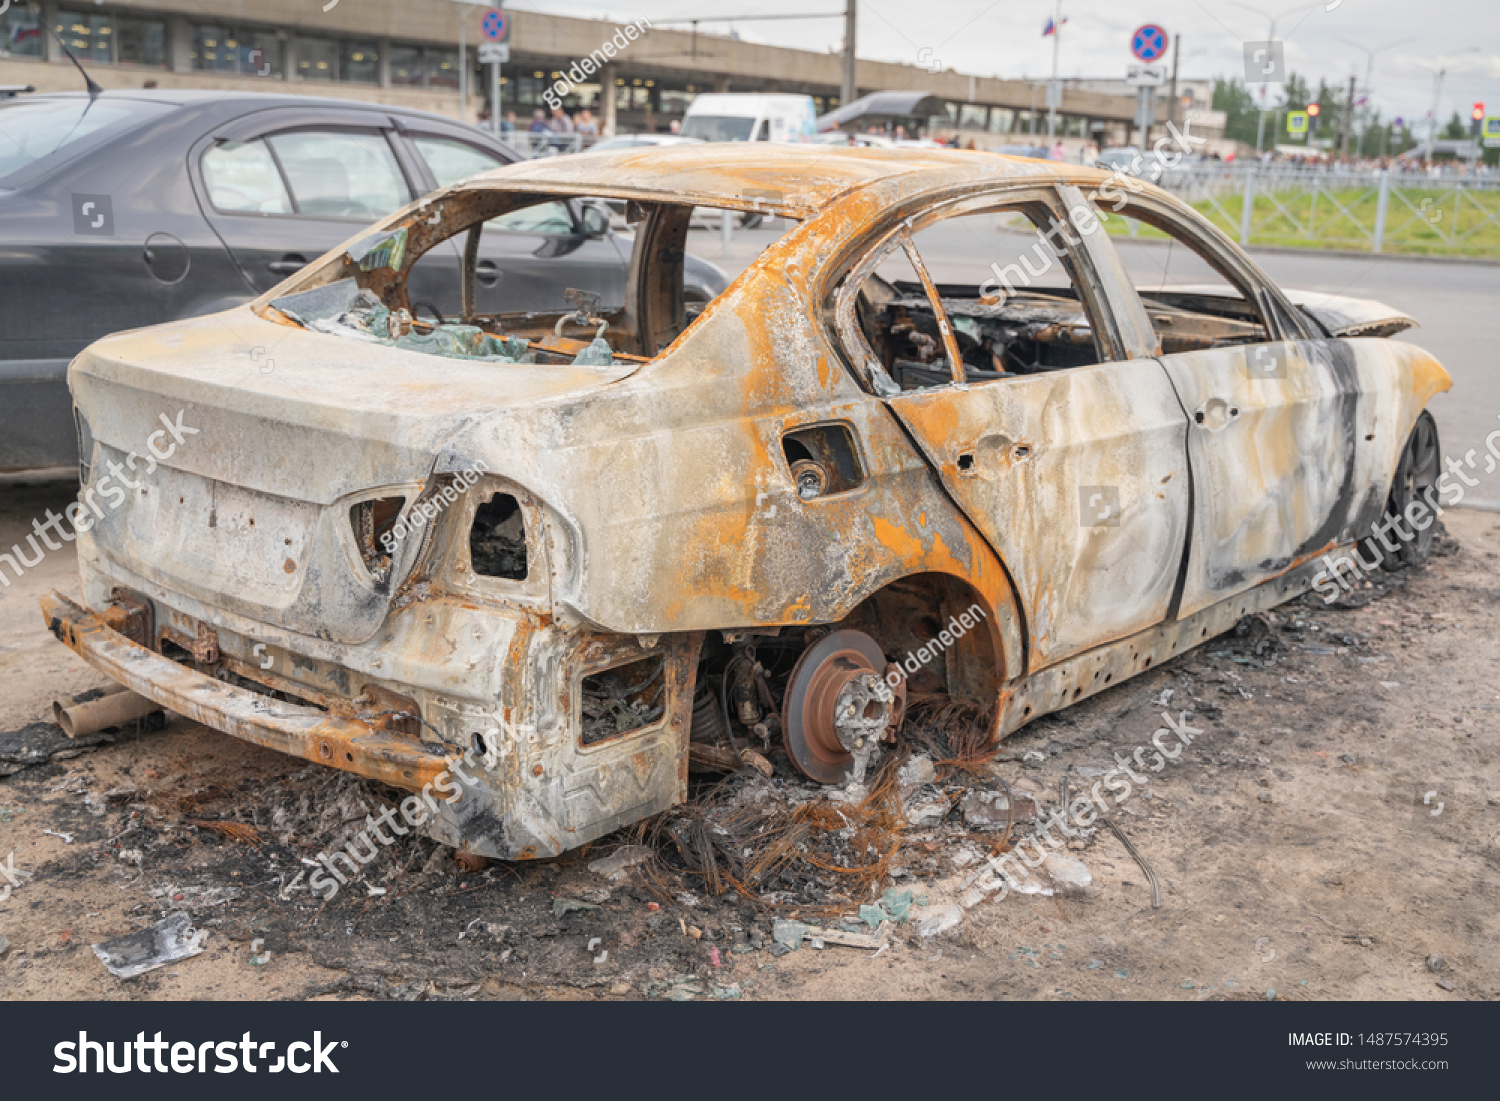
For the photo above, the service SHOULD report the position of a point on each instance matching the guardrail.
(1384, 211)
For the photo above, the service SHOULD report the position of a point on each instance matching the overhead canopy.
(884, 105)
(1447, 147)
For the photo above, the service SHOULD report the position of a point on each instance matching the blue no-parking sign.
(1149, 42)
(496, 25)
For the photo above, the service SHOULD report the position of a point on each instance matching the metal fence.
(1379, 211)
(546, 144)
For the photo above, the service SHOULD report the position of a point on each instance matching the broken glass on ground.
(169, 940)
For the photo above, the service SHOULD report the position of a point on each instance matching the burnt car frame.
(728, 524)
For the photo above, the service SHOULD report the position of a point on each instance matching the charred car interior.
(395, 288)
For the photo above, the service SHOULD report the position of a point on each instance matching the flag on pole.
(1051, 27)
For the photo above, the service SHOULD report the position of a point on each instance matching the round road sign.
(495, 25)
(1149, 42)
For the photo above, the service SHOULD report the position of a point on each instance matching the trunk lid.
(255, 439)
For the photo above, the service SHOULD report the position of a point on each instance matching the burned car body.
(569, 545)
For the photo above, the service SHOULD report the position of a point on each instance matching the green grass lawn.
(1472, 229)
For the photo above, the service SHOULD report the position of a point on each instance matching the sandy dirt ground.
(1295, 855)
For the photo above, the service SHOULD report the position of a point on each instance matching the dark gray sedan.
(139, 207)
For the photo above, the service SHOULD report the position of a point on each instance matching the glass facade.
(114, 39)
(240, 50)
(423, 67)
(20, 32)
(317, 58)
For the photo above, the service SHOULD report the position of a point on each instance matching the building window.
(1001, 119)
(971, 116)
(359, 63)
(675, 101)
(317, 59)
(222, 49)
(20, 33)
(114, 39)
(140, 42)
(423, 67)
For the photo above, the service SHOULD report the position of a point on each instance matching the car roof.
(234, 103)
(794, 179)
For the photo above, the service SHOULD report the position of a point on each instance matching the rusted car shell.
(659, 504)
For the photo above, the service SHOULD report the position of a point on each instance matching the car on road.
(138, 207)
(551, 548)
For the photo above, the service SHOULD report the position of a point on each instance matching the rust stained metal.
(299, 731)
(660, 505)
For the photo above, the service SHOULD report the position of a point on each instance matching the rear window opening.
(507, 278)
(497, 541)
(623, 699)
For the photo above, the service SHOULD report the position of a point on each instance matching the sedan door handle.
(291, 262)
(487, 273)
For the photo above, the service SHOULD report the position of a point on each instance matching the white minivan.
(729, 116)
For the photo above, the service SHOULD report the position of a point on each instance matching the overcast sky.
(1004, 37)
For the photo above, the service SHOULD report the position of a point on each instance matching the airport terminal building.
(408, 53)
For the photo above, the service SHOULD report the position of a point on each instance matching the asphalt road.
(1457, 305)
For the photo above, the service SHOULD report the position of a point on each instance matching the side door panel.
(1077, 477)
(1273, 451)
(1273, 431)
(1078, 480)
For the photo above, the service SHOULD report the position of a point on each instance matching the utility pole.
(1359, 150)
(1260, 130)
(1176, 56)
(1348, 128)
(1054, 92)
(850, 90)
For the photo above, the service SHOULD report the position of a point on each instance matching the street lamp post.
(1260, 130)
(1437, 90)
(1359, 150)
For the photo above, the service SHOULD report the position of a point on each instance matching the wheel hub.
(840, 707)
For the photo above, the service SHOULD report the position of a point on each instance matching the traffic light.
(1313, 111)
(1476, 117)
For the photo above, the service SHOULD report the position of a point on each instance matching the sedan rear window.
(32, 130)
